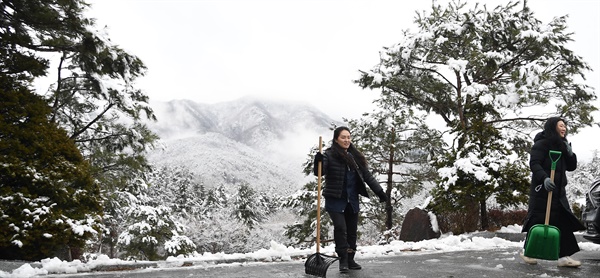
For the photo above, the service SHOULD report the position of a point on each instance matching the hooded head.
(550, 127)
(550, 132)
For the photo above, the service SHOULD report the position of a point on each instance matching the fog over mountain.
(256, 141)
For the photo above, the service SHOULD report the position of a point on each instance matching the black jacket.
(334, 169)
(540, 163)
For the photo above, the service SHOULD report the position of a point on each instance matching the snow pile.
(278, 252)
(510, 229)
(57, 266)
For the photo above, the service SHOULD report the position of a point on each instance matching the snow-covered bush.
(153, 234)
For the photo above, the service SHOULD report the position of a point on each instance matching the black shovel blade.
(317, 264)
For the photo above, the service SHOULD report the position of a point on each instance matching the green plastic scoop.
(543, 241)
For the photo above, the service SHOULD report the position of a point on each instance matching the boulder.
(417, 226)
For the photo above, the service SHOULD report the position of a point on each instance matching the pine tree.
(48, 200)
(179, 189)
(399, 146)
(94, 98)
(304, 204)
(490, 77)
(249, 207)
(153, 234)
(148, 227)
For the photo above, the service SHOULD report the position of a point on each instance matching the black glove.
(549, 184)
(318, 157)
(382, 196)
(569, 148)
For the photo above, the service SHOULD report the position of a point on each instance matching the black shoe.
(343, 265)
(344, 269)
(343, 255)
(351, 263)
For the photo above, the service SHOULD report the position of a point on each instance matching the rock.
(417, 226)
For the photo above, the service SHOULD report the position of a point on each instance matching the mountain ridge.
(263, 143)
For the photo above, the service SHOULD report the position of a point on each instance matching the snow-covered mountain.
(260, 142)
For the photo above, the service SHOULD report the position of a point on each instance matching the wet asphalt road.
(500, 263)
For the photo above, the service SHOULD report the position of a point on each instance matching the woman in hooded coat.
(553, 137)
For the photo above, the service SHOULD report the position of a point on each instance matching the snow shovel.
(544, 240)
(317, 264)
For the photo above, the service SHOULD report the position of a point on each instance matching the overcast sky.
(213, 51)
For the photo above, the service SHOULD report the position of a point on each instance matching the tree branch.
(77, 133)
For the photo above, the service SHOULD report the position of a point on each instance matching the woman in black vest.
(553, 137)
(346, 172)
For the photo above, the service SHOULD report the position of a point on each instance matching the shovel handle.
(554, 157)
(549, 202)
(319, 170)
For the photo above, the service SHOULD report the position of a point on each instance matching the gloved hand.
(382, 196)
(549, 184)
(318, 157)
(569, 148)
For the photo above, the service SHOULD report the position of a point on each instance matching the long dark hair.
(552, 135)
(358, 156)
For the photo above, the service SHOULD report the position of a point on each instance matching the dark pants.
(345, 226)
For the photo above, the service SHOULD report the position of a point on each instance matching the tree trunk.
(390, 184)
(484, 215)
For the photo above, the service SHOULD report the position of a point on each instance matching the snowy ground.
(278, 252)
